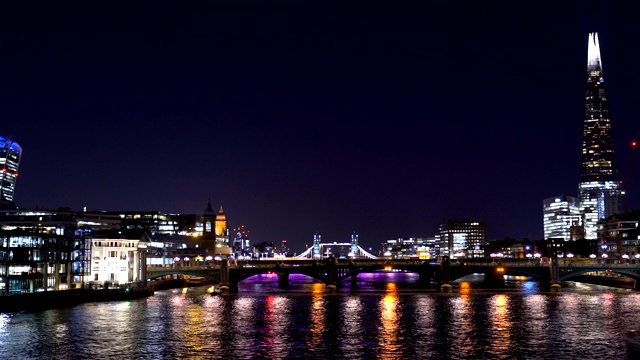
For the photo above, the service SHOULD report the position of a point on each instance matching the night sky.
(379, 117)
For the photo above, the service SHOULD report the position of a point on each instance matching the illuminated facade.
(213, 223)
(117, 261)
(599, 189)
(619, 238)
(561, 213)
(462, 238)
(10, 153)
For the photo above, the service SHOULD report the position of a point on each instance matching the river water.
(384, 318)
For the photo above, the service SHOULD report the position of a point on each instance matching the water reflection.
(277, 321)
(464, 343)
(352, 326)
(385, 324)
(317, 315)
(243, 314)
(500, 330)
(390, 312)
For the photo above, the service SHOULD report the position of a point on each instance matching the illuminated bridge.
(433, 275)
(349, 250)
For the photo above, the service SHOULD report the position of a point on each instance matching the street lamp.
(217, 258)
(529, 256)
(569, 255)
(626, 258)
(493, 257)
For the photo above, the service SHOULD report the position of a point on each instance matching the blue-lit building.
(10, 153)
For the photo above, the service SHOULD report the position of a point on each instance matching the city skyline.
(384, 119)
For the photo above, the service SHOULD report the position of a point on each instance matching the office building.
(561, 214)
(10, 153)
(462, 238)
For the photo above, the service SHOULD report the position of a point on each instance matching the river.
(384, 318)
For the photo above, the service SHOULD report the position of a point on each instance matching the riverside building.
(462, 238)
(10, 153)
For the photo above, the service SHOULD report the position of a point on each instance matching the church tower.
(208, 223)
(221, 223)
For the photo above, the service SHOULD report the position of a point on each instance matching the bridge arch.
(155, 274)
(625, 272)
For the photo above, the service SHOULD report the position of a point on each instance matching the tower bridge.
(433, 275)
(340, 250)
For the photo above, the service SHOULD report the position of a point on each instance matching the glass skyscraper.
(561, 213)
(10, 153)
(599, 190)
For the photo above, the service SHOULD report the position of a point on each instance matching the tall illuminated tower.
(599, 189)
(10, 153)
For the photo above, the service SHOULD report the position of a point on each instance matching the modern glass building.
(10, 153)
(462, 238)
(599, 190)
(561, 213)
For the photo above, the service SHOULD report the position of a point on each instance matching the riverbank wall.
(63, 298)
(613, 281)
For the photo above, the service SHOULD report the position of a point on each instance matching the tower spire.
(593, 53)
(599, 189)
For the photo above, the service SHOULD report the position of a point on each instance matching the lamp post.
(604, 258)
(529, 256)
(626, 258)
(637, 258)
(217, 259)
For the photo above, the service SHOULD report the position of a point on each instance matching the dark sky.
(380, 117)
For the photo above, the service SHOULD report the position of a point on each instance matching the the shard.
(599, 189)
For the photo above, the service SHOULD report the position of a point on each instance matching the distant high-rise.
(599, 189)
(10, 153)
(462, 238)
(561, 213)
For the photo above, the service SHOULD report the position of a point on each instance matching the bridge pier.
(495, 277)
(283, 280)
(425, 275)
(554, 269)
(226, 285)
(445, 282)
(332, 275)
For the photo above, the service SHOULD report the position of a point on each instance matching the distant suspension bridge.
(347, 250)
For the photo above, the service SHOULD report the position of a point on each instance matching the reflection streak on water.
(535, 316)
(424, 320)
(317, 315)
(500, 331)
(243, 315)
(464, 343)
(389, 339)
(352, 326)
(277, 325)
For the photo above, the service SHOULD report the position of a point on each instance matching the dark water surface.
(385, 318)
